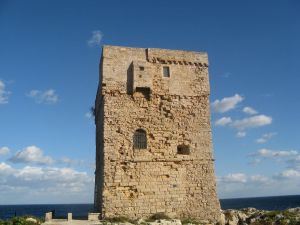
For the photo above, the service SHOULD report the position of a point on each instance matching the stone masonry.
(153, 135)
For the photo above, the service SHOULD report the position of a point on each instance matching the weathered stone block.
(93, 216)
(70, 217)
(48, 216)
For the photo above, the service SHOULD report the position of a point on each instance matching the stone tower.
(153, 135)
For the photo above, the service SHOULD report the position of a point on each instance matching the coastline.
(246, 216)
(234, 208)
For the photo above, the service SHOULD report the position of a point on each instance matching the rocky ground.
(252, 216)
(247, 216)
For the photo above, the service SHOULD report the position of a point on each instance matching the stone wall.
(175, 173)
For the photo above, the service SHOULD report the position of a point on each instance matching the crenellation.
(167, 113)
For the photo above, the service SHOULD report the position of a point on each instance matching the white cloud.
(3, 93)
(223, 121)
(243, 178)
(5, 169)
(288, 174)
(44, 185)
(74, 162)
(95, 39)
(4, 150)
(234, 185)
(252, 122)
(288, 156)
(267, 153)
(234, 178)
(226, 104)
(241, 134)
(47, 96)
(35, 155)
(249, 110)
(31, 154)
(265, 138)
(258, 179)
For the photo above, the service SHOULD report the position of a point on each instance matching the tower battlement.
(153, 135)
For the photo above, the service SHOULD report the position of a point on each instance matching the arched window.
(140, 139)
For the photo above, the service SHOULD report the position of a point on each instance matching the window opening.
(183, 150)
(166, 71)
(140, 139)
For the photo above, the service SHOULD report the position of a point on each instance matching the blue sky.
(49, 56)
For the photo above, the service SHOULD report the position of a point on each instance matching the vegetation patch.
(22, 220)
(158, 216)
(190, 220)
(119, 219)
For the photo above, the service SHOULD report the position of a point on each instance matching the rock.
(169, 222)
(249, 210)
(279, 216)
(140, 221)
(242, 216)
(294, 210)
(176, 222)
(30, 219)
(165, 222)
(252, 220)
(231, 217)
(222, 220)
(154, 223)
(234, 221)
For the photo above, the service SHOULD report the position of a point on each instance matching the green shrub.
(158, 216)
(189, 220)
(18, 220)
(262, 222)
(119, 219)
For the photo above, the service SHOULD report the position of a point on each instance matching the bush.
(19, 221)
(158, 216)
(120, 219)
(189, 220)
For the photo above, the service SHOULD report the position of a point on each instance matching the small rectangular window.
(183, 150)
(166, 71)
(142, 68)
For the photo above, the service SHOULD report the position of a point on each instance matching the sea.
(80, 211)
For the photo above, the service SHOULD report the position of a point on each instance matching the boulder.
(233, 221)
(294, 210)
(30, 219)
(242, 216)
(176, 222)
(222, 220)
(249, 210)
